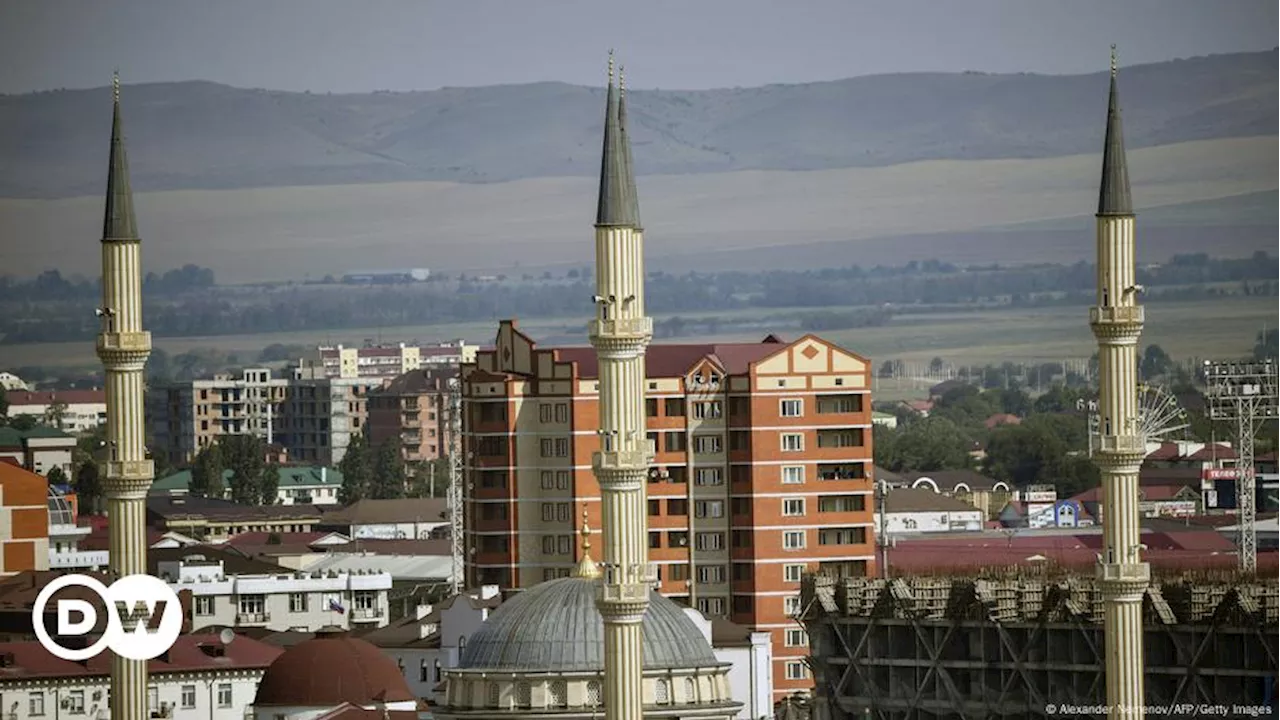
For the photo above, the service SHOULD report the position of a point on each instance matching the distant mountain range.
(204, 135)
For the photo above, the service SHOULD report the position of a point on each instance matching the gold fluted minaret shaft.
(1116, 321)
(620, 333)
(123, 347)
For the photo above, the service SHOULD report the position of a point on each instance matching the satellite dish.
(226, 636)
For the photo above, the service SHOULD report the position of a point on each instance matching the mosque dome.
(555, 627)
(330, 669)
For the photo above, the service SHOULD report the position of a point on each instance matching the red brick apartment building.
(762, 472)
(414, 409)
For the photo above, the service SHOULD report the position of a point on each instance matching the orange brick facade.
(761, 472)
(24, 520)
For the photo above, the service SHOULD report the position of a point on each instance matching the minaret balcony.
(640, 328)
(1124, 572)
(1122, 444)
(1117, 315)
(126, 341)
(621, 460)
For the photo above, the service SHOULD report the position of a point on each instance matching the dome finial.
(1114, 65)
(115, 86)
(586, 566)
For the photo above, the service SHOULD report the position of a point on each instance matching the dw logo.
(135, 599)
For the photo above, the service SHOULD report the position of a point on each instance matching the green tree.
(932, 443)
(388, 472)
(936, 365)
(269, 484)
(1023, 455)
(1155, 363)
(356, 470)
(1074, 475)
(430, 478)
(89, 487)
(4, 405)
(23, 422)
(1058, 399)
(206, 472)
(55, 414)
(56, 476)
(245, 456)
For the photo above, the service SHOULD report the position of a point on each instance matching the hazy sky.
(362, 45)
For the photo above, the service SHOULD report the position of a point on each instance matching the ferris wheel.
(1160, 418)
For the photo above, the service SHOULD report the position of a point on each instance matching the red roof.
(1213, 452)
(1166, 451)
(191, 653)
(1267, 457)
(1002, 419)
(677, 360)
(48, 397)
(1150, 493)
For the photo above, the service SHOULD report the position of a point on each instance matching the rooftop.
(191, 653)
(379, 512)
(48, 397)
(909, 500)
(288, 476)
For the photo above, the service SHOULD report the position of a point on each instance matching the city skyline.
(423, 46)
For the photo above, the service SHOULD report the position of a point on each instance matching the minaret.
(123, 347)
(1117, 322)
(620, 333)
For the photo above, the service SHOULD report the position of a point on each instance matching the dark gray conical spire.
(629, 171)
(119, 223)
(617, 194)
(1113, 193)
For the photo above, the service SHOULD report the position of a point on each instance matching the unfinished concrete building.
(1030, 645)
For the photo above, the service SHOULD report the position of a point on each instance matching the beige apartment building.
(389, 361)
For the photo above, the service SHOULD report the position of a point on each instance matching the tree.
(1266, 346)
(356, 471)
(936, 365)
(245, 456)
(932, 443)
(430, 478)
(1155, 363)
(4, 404)
(206, 472)
(1023, 455)
(388, 472)
(56, 476)
(89, 487)
(269, 484)
(55, 414)
(23, 422)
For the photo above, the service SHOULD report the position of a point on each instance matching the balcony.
(367, 614)
(69, 559)
(1122, 444)
(253, 618)
(842, 471)
(1106, 315)
(626, 327)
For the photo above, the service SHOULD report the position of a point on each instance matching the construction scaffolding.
(1030, 645)
(455, 499)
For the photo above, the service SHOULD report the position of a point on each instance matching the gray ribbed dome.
(555, 627)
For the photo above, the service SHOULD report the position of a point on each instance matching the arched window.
(556, 694)
(462, 645)
(495, 694)
(662, 691)
(524, 695)
(593, 693)
(690, 691)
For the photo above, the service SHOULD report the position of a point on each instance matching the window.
(548, 512)
(204, 605)
(792, 573)
(842, 536)
(651, 407)
(544, 413)
(708, 508)
(495, 695)
(841, 503)
(677, 506)
(678, 539)
(655, 507)
(74, 701)
(253, 604)
(548, 545)
(792, 442)
(562, 479)
(708, 444)
(743, 604)
(562, 512)
(35, 704)
(690, 691)
(793, 540)
(188, 696)
(739, 440)
(707, 410)
(848, 403)
(791, 605)
(153, 698)
(793, 475)
(224, 695)
(662, 691)
(557, 695)
(709, 476)
(562, 412)
(593, 692)
(796, 670)
(709, 541)
(655, 539)
(710, 574)
(740, 538)
(795, 638)
(547, 479)
(840, 438)
(424, 672)
(792, 408)
(524, 695)
(711, 606)
(674, 441)
(678, 572)
(792, 507)
(564, 544)
(297, 602)
(673, 407)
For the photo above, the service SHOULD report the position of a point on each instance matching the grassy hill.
(200, 135)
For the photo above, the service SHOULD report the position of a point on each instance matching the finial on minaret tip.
(586, 566)
(1114, 65)
(622, 80)
(115, 86)
(610, 66)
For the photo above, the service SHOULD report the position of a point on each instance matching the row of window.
(677, 441)
(791, 507)
(72, 702)
(298, 602)
(498, 479)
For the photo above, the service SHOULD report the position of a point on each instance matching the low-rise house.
(199, 677)
(977, 490)
(232, 591)
(295, 485)
(401, 519)
(884, 419)
(999, 419)
(918, 510)
(214, 520)
(66, 536)
(39, 449)
(1057, 514)
(1154, 501)
(75, 411)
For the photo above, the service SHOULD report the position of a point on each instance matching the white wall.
(751, 676)
(79, 417)
(17, 695)
(930, 521)
(419, 530)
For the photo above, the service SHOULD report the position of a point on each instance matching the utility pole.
(1244, 392)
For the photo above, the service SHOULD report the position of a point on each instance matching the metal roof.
(118, 223)
(1113, 193)
(555, 627)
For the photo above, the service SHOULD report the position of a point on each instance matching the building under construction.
(1030, 645)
